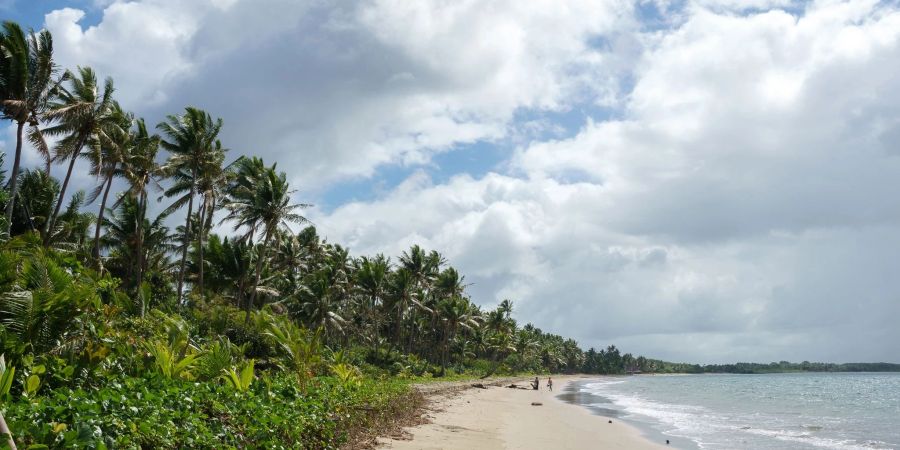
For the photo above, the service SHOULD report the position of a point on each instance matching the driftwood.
(479, 385)
(537, 404)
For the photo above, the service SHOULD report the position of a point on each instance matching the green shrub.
(160, 413)
(239, 378)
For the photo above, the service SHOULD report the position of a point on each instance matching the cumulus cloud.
(341, 88)
(739, 201)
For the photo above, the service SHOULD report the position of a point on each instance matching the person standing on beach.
(535, 384)
(550, 383)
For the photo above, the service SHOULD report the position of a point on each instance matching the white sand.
(502, 418)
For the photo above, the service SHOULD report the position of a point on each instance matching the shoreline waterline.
(576, 394)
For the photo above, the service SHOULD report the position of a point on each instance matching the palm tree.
(450, 283)
(108, 153)
(500, 327)
(402, 295)
(140, 169)
(454, 312)
(211, 183)
(423, 267)
(26, 72)
(231, 263)
(241, 189)
(318, 300)
(72, 231)
(131, 237)
(271, 208)
(192, 140)
(291, 261)
(82, 113)
(372, 277)
(38, 192)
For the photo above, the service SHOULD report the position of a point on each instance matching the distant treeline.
(611, 361)
(656, 366)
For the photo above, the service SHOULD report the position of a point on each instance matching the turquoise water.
(777, 411)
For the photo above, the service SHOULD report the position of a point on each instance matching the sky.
(692, 180)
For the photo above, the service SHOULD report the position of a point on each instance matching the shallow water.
(777, 411)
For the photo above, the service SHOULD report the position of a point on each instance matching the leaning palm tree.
(211, 184)
(271, 208)
(26, 73)
(80, 113)
(107, 154)
(241, 189)
(191, 139)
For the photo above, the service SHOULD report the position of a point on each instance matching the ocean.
(773, 411)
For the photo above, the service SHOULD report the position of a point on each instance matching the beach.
(502, 418)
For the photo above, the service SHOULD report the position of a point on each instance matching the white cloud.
(741, 208)
(359, 84)
(140, 44)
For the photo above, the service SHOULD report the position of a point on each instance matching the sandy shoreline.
(501, 418)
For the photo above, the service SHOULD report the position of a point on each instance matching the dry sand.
(502, 418)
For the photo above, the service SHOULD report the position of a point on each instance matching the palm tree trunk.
(259, 263)
(203, 212)
(187, 237)
(398, 325)
(4, 429)
(62, 193)
(142, 205)
(14, 180)
(412, 331)
(445, 350)
(239, 295)
(252, 232)
(109, 179)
